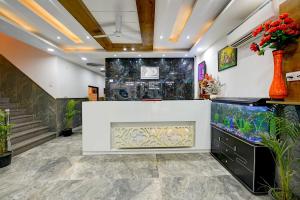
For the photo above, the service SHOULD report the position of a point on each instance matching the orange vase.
(278, 88)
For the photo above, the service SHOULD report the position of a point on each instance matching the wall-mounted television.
(148, 72)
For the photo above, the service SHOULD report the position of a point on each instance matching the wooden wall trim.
(81, 13)
(291, 61)
(146, 12)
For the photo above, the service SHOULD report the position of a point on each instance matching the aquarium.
(247, 122)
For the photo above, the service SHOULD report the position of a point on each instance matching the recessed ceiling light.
(188, 37)
(115, 55)
(88, 37)
(161, 37)
(49, 49)
(58, 37)
(163, 55)
(185, 55)
(140, 55)
(102, 68)
(132, 49)
(83, 58)
(199, 49)
(124, 49)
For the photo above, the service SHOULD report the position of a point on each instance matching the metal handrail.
(7, 122)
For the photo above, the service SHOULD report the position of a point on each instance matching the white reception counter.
(114, 127)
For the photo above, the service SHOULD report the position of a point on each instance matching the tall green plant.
(282, 138)
(70, 113)
(4, 131)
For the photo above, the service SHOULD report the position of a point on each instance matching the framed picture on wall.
(201, 70)
(227, 58)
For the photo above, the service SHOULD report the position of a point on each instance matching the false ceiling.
(149, 28)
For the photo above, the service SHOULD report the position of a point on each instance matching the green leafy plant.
(282, 138)
(4, 132)
(247, 128)
(70, 113)
(216, 117)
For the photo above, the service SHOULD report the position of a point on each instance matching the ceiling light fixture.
(140, 55)
(161, 37)
(46, 16)
(132, 49)
(50, 50)
(115, 55)
(199, 49)
(12, 17)
(204, 30)
(182, 18)
(83, 58)
(185, 55)
(58, 37)
(88, 37)
(188, 37)
(124, 49)
(163, 55)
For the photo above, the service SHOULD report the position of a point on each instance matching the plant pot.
(278, 88)
(5, 159)
(66, 132)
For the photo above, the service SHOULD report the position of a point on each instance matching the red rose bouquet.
(276, 34)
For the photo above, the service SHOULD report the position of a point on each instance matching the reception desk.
(115, 127)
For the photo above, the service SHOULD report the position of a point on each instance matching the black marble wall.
(15, 85)
(123, 79)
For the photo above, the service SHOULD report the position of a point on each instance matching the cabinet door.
(215, 141)
(244, 154)
(245, 176)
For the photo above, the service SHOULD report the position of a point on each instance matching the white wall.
(250, 78)
(55, 75)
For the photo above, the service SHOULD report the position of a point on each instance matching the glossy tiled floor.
(57, 170)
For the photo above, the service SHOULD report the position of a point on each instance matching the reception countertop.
(102, 122)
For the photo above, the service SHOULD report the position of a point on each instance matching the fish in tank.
(247, 122)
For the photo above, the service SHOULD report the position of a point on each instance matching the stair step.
(25, 145)
(4, 100)
(11, 106)
(30, 133)
(21, 119)
(16, 112)
(25, 126)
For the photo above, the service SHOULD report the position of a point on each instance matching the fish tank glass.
(244, 121)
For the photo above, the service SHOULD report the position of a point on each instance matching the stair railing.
(7, 122)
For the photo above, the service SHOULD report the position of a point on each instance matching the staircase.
(26, 132)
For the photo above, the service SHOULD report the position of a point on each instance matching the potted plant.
(69, 117)
(5, 155)
(282, 138)
(277, 35)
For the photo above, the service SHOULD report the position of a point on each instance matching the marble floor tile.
(205, 187)
(181, 165)
(57, 170)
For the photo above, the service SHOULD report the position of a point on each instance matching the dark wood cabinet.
(250, 163)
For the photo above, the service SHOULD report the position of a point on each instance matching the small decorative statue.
(210, 86)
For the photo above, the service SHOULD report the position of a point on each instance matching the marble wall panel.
(15, 85)
(123, 79)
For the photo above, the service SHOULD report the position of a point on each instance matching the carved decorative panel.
(153, 137)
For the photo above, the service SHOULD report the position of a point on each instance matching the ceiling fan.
(118, 31)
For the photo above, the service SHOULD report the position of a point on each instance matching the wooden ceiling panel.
(146, 13)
